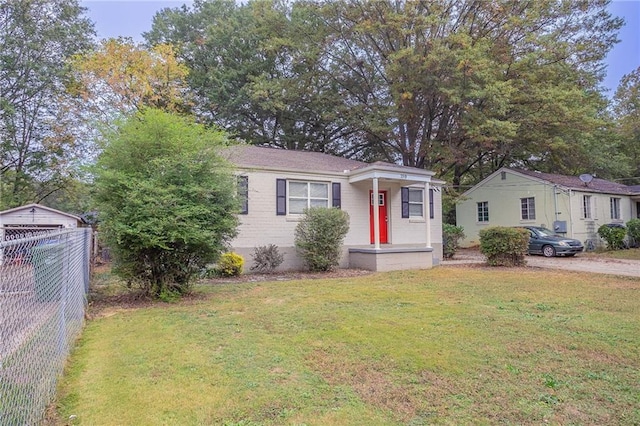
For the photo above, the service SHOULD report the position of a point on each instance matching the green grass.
(630, 254)
(444, 346)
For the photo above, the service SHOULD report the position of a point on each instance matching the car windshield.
(544, 232)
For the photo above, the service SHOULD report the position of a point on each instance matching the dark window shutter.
(431, 212)
(281, 197)
(404, 191)
(243, 194)
(335, 194)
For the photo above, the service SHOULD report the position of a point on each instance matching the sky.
(130, 18)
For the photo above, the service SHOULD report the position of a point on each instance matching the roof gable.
(39, 206)
(567, 182)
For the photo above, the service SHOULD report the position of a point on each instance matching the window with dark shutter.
(335, 195)
(404, 191)
(281, 197)
(243, 194)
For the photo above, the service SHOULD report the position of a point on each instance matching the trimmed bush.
(614, 236)
(451, 236)
(319, 237)
(633, 230)
(504, 246)
(266, 258)
(230, 265)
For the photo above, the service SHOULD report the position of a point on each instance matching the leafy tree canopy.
(38, 155)
(166, 200)
(627, 113)
(462, 87)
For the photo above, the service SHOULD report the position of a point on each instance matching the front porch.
(390, 258)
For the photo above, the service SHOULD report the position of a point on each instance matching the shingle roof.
(574, 182)
(256, 156)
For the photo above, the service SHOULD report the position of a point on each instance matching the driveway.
(630, 268)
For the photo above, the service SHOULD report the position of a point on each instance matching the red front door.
(382, 209)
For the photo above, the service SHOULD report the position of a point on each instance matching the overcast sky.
(130, 18)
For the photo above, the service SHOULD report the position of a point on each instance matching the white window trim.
(478, 216)
(416, 218)
(528, 219)
(615, 201)
(308, 198)
(587, 207)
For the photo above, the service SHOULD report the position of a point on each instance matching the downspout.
(555, 205)
(570, 213)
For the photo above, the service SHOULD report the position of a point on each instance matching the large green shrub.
(319, 237)
(451, 236)
(166, 201)
(613, 235)
(633, 230)
(504, 246)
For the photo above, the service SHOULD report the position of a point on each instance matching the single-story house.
(32, 219)
(395, 211)
(575, 206)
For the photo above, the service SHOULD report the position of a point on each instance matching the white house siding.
(261, 226)
(39, 217)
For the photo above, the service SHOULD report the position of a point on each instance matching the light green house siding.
(504, 190)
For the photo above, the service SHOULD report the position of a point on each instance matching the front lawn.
(466, 345)
(629, 254)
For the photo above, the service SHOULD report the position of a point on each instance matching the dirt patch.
(102, 305)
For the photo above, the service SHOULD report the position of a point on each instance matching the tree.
(36, 39)
(256, 71)
(627, 114)
(122, 77)
(166, 200)
(462, 87)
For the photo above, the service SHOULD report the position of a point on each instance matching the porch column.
(376, 215)
(427, 213)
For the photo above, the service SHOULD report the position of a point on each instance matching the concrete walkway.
(629, 268)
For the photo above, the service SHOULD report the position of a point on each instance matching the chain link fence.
(44, 279)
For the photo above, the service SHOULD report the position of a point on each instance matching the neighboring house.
(33, 217)
(31, 220)
(575, 206)
(403, 232)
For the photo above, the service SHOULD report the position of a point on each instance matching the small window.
(528, 208)
(503, 175)
(483, 211)
(243, 193)
(614, 203)
(586, 206)
(304, 195)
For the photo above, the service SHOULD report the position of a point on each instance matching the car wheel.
(548, 251)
